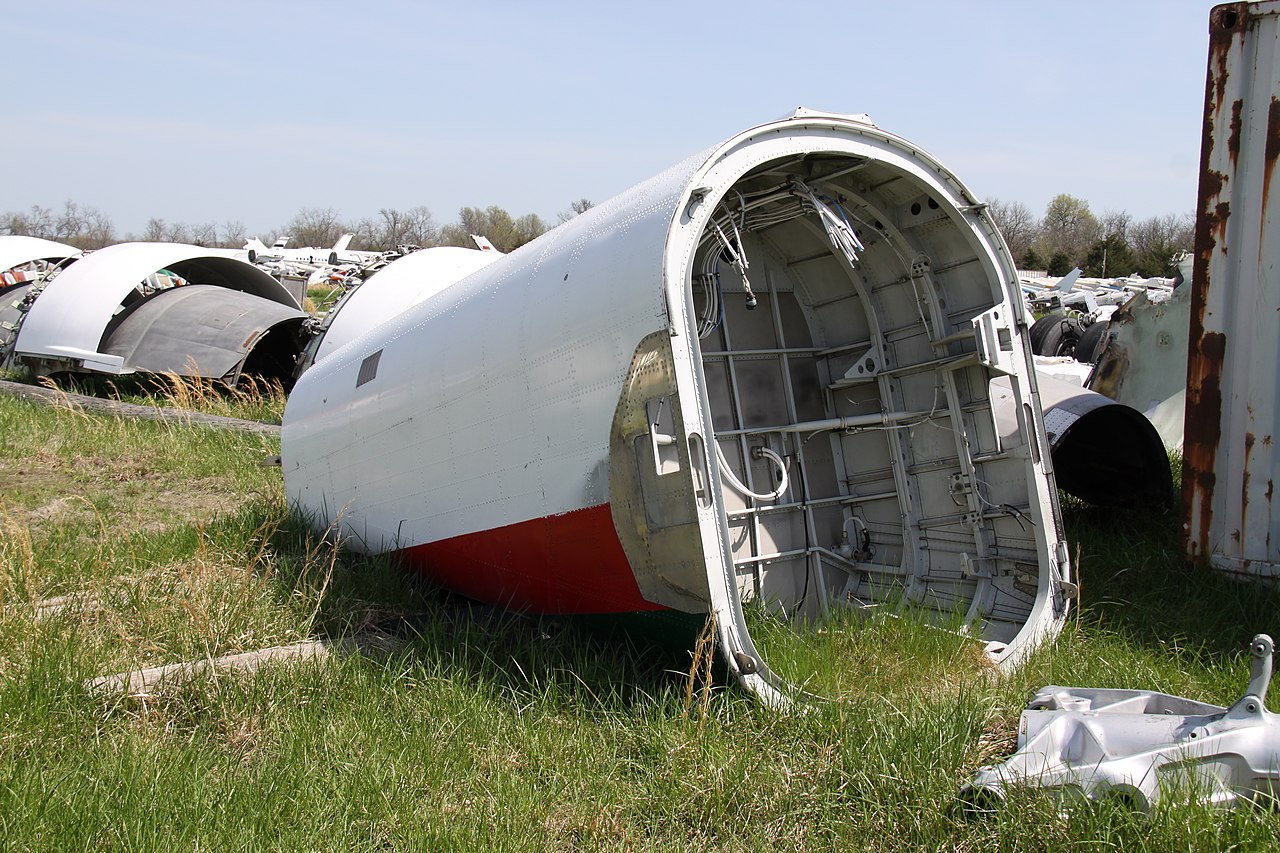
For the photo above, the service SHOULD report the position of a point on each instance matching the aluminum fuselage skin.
(486, 432)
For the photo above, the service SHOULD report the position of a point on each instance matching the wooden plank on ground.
(133, 411)
(142, 682)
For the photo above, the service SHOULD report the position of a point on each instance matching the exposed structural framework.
(1231, 462)
(25, 263)
(1139, 747)
(147, 307)
(760, 381)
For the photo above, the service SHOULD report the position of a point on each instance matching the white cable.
(737, 485)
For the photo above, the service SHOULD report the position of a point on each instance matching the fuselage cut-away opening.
(759, 383)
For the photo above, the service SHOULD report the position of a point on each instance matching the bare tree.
(233, 234)
(315, 226)
(366, 235)
(1115, 224)
(155, 231)
(204, 234)
(420, 227)
(413, 227)
(70, 222)
(82, 227)
(177, 232)
(98, 230)
(36, 223)
(1016, 222)
(576, 208)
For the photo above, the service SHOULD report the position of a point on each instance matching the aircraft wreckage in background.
(166, 308)
(144, 307)
(761, 379)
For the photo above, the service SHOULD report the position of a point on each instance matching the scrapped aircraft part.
(1141, 360)
(17, 250)
(1230, 459)
(1093, 341)
(1055, 335)
(66, 328)
(397, 286)
(13, 307)
(1104, 452)
(816, 301)
(200, 330)
(1138, 747)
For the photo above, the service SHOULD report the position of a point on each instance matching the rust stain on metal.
(1203, 430)
(1206, 351)
(1244, 479)
(1233, 140)
(1224, 24)
(1272, 147)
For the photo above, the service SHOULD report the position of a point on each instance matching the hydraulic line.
(783, 480)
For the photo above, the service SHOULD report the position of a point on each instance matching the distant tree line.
(1067, 236)
(1110, 246)
(89, 228)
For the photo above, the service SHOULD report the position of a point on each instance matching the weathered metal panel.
(1234, 349)
(76, 309)
(204, 330)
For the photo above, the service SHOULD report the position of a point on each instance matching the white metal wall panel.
(1234, 348)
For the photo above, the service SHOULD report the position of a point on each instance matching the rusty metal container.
(1233, 369)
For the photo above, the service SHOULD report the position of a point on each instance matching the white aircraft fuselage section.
(760, 377)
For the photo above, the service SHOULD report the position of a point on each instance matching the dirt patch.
(44, 492)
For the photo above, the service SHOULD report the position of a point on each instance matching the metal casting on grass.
(1139, 747)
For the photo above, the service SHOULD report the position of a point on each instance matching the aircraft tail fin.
(1068, 281)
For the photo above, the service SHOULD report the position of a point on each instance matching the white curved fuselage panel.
(394, 288)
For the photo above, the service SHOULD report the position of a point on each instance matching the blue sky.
(251, 111)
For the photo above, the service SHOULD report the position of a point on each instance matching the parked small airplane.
(340, 253)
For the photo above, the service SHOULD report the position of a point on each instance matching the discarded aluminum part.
(1230, 459)
(1140, 363)
(1139, 747)
(200, 330)
(816, 301)
(12, 310)
(394, 288)
(65, 328)
(1104, 452)
(16, 250)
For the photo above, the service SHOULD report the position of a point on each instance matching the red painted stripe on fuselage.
(570, 563)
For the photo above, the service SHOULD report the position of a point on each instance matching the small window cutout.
(368, 368)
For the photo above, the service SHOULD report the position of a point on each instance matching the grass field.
(488, 731)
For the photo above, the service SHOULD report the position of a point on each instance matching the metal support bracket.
(1137, 746)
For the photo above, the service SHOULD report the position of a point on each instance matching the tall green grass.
(490, 731)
